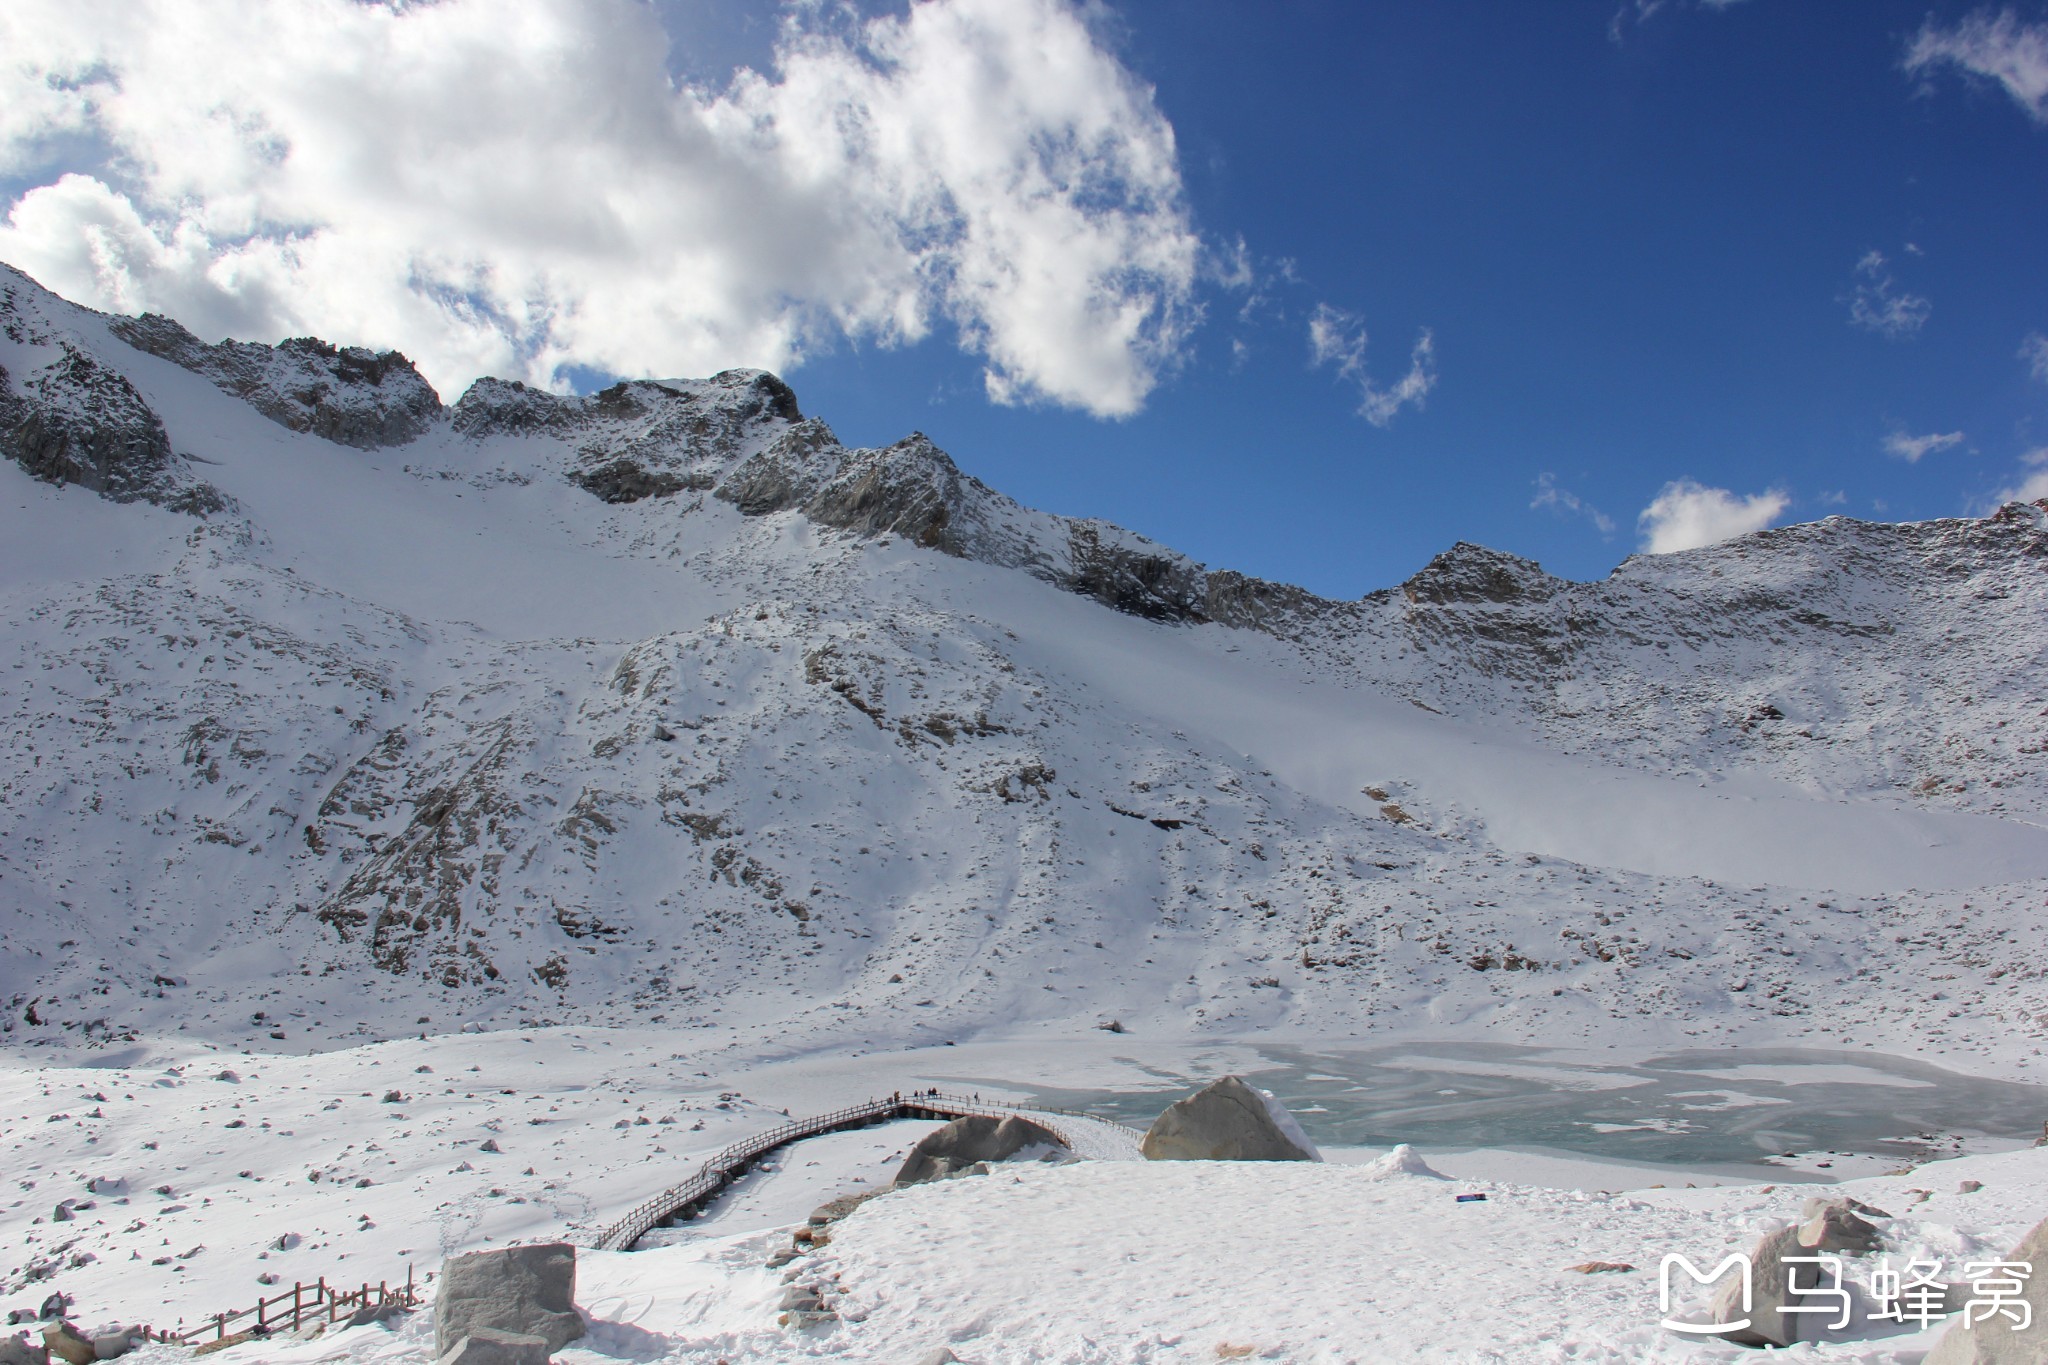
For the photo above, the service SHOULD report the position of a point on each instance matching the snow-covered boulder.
(963, 1142)
(1228, 1120)
(19, 1350)
(1997, 1339)
(1404, 1160)
(529, 1290)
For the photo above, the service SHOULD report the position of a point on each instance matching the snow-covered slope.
(336, 713)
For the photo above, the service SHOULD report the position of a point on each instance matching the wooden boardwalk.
(1081, 1133)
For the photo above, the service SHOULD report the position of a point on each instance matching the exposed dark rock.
(786, 472)
(1234, 599)
(492, 407)
(910, 489)
(639, 438)
(407, 897)
(1148, 581)
(624, 481)
(914, 489)
(1473, 573)
(76, 421)
(348, 394)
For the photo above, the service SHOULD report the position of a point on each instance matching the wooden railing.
(316, 1302)
(689, 1198)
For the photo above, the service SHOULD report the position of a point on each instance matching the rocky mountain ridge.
(660, 702)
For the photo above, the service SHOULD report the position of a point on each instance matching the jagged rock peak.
(493, 406)
(67, 418)
(641, 438)
(1473, 573)
(348, 394)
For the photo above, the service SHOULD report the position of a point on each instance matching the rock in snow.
(1770, 1291)
(346, 394)
(965, 1141)
(529, 1290)
(489, 1346)
(65, 1342)
(1227, 1120)
(1838, 1225)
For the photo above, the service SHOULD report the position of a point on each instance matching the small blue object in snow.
(1471, 1199)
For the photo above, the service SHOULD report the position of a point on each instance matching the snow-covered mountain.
(335, 712)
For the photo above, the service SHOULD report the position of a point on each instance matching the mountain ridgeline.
(660, 702)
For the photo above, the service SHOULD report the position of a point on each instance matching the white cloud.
(1911, 448)
(1563, 500)
(1876, 307)
(1994, 47)
(1686, 515)
(517, 186)
(1336, 337)
(1642, 11)
(2032, 485)
(2034, 350)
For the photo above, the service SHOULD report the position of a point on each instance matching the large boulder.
(1995, 1340)
(963, 1142)
(1228, 1121)
(1770, 1291)
(1771, 1279)
(528, 1290)
(65, 1342)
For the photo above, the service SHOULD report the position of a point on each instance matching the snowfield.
(601, 777)
(1354, 1259)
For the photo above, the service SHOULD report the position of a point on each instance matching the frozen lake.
(1720, 1107)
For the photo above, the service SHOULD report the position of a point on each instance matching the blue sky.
(1637, 259)
(1751, 247)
